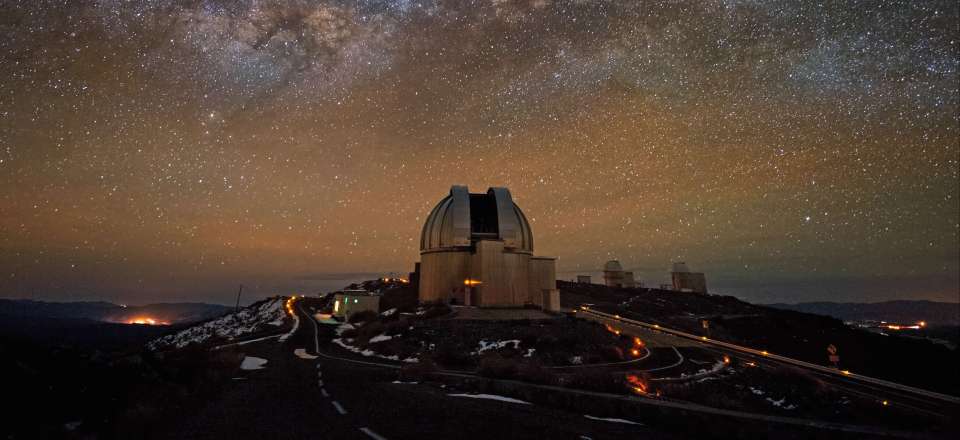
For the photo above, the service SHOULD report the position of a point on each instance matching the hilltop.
(799, 335)
(171, 313)
(901, 311)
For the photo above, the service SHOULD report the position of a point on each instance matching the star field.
(171, 150)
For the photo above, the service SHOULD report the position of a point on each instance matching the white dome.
(612, 266)
(462, 218)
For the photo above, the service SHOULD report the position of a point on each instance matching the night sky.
(172, 150)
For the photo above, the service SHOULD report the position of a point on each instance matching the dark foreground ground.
(286, 400)
(202, 394)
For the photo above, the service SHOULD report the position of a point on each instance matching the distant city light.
(146, 320)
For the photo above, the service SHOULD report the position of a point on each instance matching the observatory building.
(686, 281)
(477, 249)
(614, 275)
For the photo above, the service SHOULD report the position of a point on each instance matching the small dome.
(612, 266)
(462, 218)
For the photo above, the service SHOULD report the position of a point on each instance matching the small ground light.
(635, 352)
(885, 403)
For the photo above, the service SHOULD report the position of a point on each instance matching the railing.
(784, 359)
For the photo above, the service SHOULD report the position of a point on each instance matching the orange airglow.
(146, 320)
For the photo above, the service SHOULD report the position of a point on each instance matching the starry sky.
(171, 150)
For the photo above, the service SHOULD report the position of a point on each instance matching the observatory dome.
(461, 219)
(612, 266)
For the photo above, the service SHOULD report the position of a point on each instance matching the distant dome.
(612, 266)
(462, 218)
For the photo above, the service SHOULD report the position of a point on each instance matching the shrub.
(397, 327)
(369, 330)
(436, 310)
(611, 353)
(364, 316)
(404, 299)
(529, 338)
(349, 333)
(450, 354)
(533, 372)
(416, 372)
(546, 342)
(597, 380)
(498, 367)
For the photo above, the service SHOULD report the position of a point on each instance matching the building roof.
(680, 267)
(461, 218)
(612, 266)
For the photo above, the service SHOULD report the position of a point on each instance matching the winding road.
(337, 395)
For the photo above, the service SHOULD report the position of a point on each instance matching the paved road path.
(325, 398)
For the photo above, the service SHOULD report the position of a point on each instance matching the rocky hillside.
(263, 317)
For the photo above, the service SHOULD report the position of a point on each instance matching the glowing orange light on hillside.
(146, 320)
(635, 352)
(471, 282)
(922, 323)
(764, 353)
(846, 372)
(637, 342)
(637, 383)
(726, 359)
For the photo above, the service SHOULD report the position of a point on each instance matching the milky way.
(171, 150)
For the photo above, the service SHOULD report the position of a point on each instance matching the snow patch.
(380, 338)
(302, 354)
(491, 397)
(781, 403)
(485, 346)
(613, 420)
(367, 352)
(344, 327)
(247, 321)
(388, 312)
(253, 363)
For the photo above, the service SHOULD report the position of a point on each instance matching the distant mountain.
(904, 311)
(173, 313)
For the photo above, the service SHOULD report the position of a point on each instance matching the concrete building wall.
(613, 278)
(442, 274)
(543, 277)
(551, 300)
(628, 280)
(689, 282)
(504, 276)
